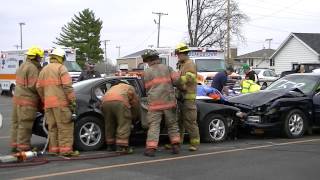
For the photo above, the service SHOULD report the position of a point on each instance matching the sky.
(130, 24)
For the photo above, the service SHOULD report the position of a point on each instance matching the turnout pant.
(60, 129)
(188, 121)
(154, 120)
(21, 128)
(118, 120)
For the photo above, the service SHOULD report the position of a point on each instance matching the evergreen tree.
(83, 33)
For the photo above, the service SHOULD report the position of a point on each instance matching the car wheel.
(295, 124)
(214, 128)
(89, 134)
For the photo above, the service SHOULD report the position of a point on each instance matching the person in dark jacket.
(89, 72)
(219, 81)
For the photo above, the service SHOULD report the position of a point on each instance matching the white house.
(298, 48)
(256, 59)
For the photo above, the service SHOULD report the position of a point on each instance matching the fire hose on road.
(32, 158)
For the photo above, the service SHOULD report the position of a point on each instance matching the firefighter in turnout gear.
(120, 105)
(187, 85)
(25, 100)
(55, 89)
(158, 81)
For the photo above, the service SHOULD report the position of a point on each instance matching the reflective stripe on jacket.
(158, 80)
(188, 79)
(55, 86)
(124, 93)
(26, 79)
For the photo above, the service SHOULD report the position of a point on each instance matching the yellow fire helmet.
(181, 48)
(35, 50)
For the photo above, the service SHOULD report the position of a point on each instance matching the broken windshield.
(304, 83)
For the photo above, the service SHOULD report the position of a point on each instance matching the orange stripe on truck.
(8, 76)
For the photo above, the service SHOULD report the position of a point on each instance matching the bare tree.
(207, 22)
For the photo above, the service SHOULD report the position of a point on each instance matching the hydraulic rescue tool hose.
(42, 160)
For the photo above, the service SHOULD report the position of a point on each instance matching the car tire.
(295, 124)
(214, 128)
(89, 134)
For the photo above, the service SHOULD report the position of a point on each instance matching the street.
(250, 157)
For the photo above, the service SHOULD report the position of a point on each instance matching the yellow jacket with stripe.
(187, 85)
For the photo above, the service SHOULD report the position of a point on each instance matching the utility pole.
(228, 34)
(17, 46)
(21, 24)
(159, 22)
(270, 39)
(118, 47)
(105, 49)
(105, 53)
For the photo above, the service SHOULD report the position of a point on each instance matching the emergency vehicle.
(11, 60)
(209, 61)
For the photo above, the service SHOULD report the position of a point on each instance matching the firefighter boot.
(149, 152)
(124, 150)
(70, 154)
(175, 149)
(111, 147)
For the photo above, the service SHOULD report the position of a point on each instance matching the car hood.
(263, 97)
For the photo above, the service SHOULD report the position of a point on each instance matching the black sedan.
(215, 120)
(291, 104)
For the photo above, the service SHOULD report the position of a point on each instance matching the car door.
(316, 105)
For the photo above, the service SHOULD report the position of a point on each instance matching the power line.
(277, 5)
(264, 27)
(279, 10)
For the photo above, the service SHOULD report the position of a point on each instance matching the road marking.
(163, 160)
(4, 137)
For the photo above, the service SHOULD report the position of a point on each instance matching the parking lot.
(254, 157)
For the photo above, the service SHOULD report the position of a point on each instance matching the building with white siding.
(256, 59)
(298, 48)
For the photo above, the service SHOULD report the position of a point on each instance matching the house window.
(271, 62)
(250, 62)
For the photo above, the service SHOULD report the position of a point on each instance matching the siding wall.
(293, 52)
(132, 63)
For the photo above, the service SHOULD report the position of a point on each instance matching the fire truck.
(11, 60)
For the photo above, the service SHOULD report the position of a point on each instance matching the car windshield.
(304, 83)
(210, 65)
(257, 71)
(72, 66)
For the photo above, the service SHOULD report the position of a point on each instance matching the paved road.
(247, 158)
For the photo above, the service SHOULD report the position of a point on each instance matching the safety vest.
(248, 86)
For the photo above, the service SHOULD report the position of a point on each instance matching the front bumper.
(265, 122)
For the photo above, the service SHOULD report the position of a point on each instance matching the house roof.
(134, 55)
(310, 40)
(257, 54)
